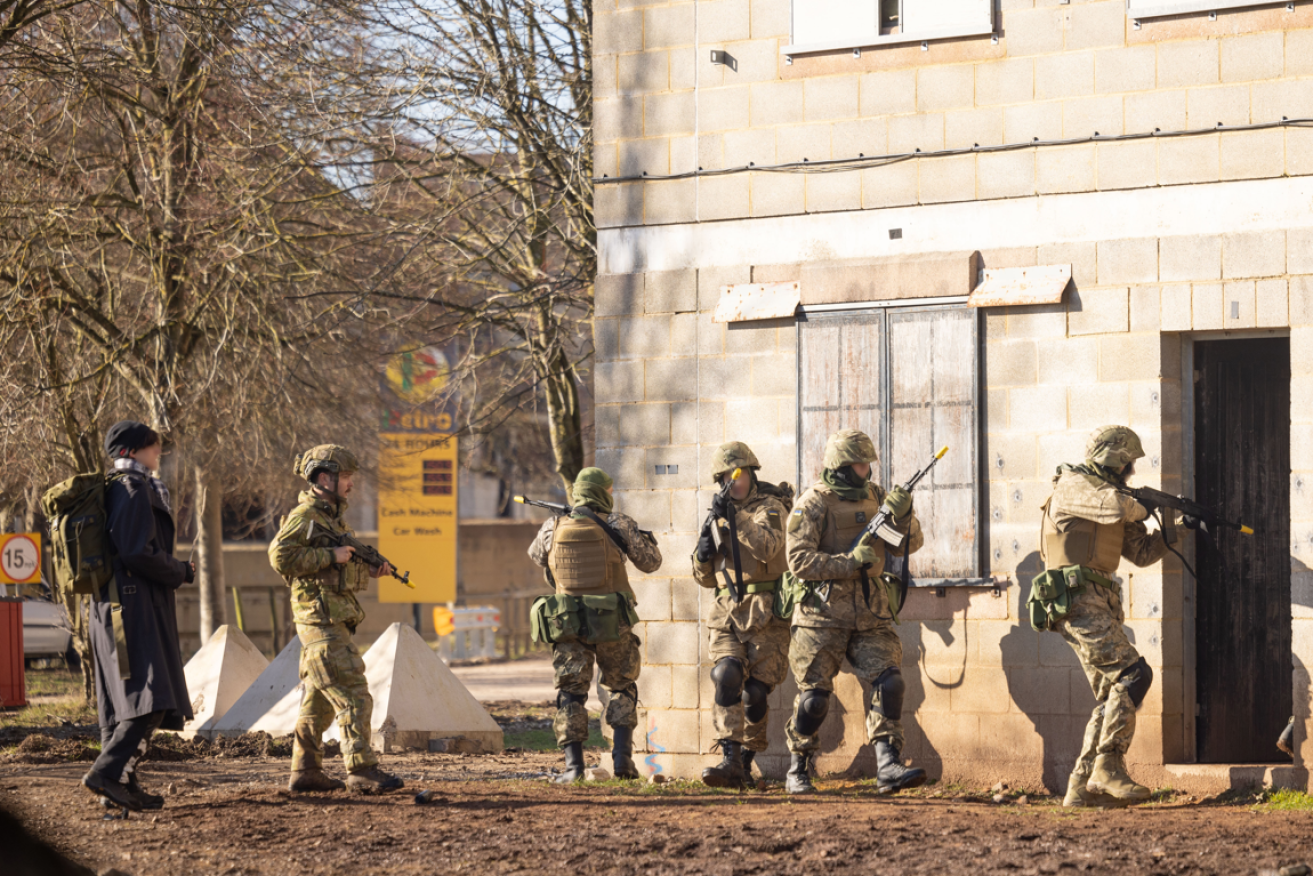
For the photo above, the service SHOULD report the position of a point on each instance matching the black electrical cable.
(834, 165)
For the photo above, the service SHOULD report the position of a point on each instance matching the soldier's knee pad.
(755, 706)
(1137, 679)
(565, 698)
(728, 677)
(812, 708)
(889, 689)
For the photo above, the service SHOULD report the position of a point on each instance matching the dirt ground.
(231, 815)
(227, 812)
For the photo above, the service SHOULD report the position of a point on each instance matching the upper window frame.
(920, 36)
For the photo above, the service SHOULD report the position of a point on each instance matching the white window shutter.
(827, 21)
(928, 16)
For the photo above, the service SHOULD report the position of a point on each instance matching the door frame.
(1189, 607)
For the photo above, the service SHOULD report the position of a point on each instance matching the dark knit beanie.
(126, 436)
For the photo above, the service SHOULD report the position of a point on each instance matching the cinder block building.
(991, 225)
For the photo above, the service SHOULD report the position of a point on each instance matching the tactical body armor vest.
(843, 522)
(584, 561)
(1084, 543)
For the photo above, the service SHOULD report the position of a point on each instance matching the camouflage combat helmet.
(848, 446)
(732, 455)
(1113, 446)
(333, 458)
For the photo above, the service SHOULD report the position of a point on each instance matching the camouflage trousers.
(618, 662)
(763, 652)
(333, 685)
(1093, 628)
(816, 653)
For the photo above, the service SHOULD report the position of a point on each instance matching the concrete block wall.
(1057, 72)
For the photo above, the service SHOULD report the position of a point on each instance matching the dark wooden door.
(1242, 623)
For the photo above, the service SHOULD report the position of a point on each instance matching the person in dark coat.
(140, 686)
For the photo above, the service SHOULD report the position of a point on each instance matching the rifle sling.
(615, 537)
(737, 588)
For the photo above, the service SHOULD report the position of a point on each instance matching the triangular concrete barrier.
(218, 675)
(418, 700)
(271, 702)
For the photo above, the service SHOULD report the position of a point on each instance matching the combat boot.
(1110, 778)
(373, 781)
(313, 780)
(890, 774)
(1079, 795)
(729, 773)
(148, 800)
(574, 764)
(799, 779)
(117, 793)
(1286, 741)
(748, 755)
(622, 753)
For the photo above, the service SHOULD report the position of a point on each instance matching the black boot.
(148, 800)
(622, 753)
(891, 775)
(729, 772)
(799, 780)
(574, 764)
(748, 755)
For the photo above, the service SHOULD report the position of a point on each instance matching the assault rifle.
(371, 557)
(1153, 499)
(555, 507)
(881, 526)
(735, 584)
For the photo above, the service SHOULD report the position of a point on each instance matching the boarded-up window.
(907, 377)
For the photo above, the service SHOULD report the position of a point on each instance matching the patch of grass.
(48, 715)
(53, 681)
(545, 740)
(1284, 800)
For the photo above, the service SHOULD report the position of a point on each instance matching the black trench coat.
(141, 531)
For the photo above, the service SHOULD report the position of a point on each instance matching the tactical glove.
(720, 505)
(865, 553)
(899, 502)
(706, 546)
(1190, 522)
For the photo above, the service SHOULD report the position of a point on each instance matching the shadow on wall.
(1045, 682)
(916, 674)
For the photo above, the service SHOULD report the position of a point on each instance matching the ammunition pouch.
(788, 594)
(591, 620)
(1052, 593)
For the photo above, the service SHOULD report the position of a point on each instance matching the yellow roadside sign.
(20, 558)
(417, 491)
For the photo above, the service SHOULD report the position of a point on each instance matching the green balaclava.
(590, 488)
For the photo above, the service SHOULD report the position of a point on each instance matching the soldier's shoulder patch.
(795, 519)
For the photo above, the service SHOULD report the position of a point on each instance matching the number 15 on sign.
(20, 558)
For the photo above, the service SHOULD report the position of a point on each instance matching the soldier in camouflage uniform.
(845, 612)
(585, 558)
(1087, 523)
(324, 583)
(749, 645)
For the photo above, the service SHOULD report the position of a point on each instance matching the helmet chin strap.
(330, 494)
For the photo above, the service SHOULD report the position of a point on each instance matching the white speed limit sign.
(20, 558)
